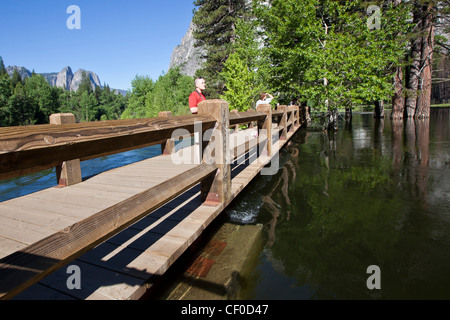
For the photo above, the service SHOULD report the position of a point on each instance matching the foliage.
(323, 51)
(243, 71)
(169, 93)
(215, 22)
(32, 101)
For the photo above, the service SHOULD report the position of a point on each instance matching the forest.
(32, 100)
(327, 54)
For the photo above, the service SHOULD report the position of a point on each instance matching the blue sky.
(118, 39)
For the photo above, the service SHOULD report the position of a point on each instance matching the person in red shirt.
(197, 96)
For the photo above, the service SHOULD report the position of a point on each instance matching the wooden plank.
(96, 185)
(23, 231)
(126, 260)
(205, 214)
(96, 283)
(75, 197)
(39, 292)
(245, 117)
(53, 221)
(21, 269)
(7, 246)
(79, 211)
(123, 181)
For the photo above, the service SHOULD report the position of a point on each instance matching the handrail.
(30, 149)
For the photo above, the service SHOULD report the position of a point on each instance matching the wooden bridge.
(125, 227)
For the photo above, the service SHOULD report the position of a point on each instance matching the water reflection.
(363, 196)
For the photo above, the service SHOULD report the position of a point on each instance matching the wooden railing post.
(69, 172)
(291, 118)
(283, 122)
(217, 189)
(169, 146)
(297, 116)
(265, 131)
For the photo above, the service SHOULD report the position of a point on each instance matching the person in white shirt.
(264, 98)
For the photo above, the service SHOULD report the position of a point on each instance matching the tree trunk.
(348, 114)
(424, 97)
(414, 69)
(398, 99)
(379, 109)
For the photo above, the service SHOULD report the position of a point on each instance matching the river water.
(375, 193)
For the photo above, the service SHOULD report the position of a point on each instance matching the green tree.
(42, 96)
(111, 104)
(215, 22)
(16, 78)
(85, 84)
(20, 109)
(245, 71)
(5, 94)
(88, 106)
(2, 68)
(171, 93)
(324, 51)
(142, 86)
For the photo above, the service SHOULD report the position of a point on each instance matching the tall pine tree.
(2, 68)
(215, 22)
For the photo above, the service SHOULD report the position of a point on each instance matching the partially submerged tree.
(325, 51)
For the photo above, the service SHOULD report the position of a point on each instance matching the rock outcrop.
(65, 79)
(186, 55)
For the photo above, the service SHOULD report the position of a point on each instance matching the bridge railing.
(63, 145)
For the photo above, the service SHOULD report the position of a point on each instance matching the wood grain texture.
(27, 266)
(29, 149)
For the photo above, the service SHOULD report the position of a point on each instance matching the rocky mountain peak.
(64, 79)
(186, 55)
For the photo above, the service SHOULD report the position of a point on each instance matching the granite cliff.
(64, 79)
(186, 55)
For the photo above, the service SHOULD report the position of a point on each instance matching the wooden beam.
(23, 268)
(30, 149)
(245, 117)
(168, 146)
(265, 131)
(217, 190)
(68, 173)
(283, 122)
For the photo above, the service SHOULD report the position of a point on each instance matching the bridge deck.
(126, 265)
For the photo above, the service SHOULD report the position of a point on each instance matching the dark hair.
(262, 95)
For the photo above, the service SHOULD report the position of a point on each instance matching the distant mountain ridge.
(65, 79)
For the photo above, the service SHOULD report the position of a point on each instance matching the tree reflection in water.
(359, 197)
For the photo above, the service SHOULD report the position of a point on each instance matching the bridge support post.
(297, 116)
(217, 188)
(283, 122)
(265, 131)
(69, 172)
(169, 146)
